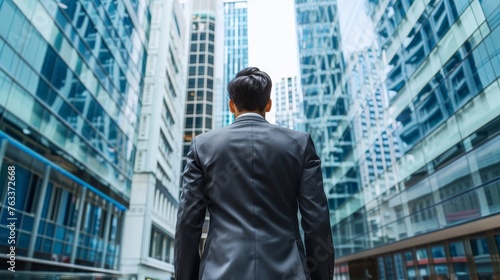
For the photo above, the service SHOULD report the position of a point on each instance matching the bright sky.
(272, 40)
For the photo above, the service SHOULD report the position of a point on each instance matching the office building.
(288, 102)
(428, 195)
(71, 77)
(204, 69)
(324, 102)
(235, 50)
(149, 227)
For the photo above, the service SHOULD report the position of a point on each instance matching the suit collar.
(249, 117)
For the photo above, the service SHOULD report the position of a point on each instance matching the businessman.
(253, 178)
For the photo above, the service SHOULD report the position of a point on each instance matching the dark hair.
(250, 89)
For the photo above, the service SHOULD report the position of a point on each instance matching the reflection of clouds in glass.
(355, 26)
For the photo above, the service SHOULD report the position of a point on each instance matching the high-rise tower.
(71, 78)
(235, 49)
(288, 102)
(321, 68)
(203, 104)
(426, 205)
(149, 227)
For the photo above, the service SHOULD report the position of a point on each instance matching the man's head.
(250, 91)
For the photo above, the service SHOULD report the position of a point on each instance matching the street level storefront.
(473, 256)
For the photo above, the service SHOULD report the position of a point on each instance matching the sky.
(272, 40)
(272, 35)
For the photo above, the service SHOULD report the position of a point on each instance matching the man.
(253, 177)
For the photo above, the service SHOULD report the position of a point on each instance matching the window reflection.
(482, 258)
(459, 259)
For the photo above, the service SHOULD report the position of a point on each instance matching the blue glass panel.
(57, 248)
(49, 229)
(27, 223)
(6, 58)
(7, 12)
(47, 245)
(24, 240)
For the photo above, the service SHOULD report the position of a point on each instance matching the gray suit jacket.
(252, 177)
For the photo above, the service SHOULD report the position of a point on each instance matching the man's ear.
(269, 105)
(232, 106)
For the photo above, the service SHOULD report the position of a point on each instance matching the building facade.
(203, 71)
(71, 77)
(235, 50)
(324, 103)
(288, 102)
(149, 226)
(425, 163)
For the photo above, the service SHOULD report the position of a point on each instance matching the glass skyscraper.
(71, 78)
(235, 49)
(424, 167)
(324, 103)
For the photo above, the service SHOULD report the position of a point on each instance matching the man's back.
(253, 177)
(252, 181)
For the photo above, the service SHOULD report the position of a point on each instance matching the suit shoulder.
(294, 133)
(209, 135)
(299, 137)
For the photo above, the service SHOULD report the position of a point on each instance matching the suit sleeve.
(190, 218)
(315, 217)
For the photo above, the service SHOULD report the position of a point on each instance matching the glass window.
(381, 268)
(482, 258)
(208, 123)
(189, 123)
(7, 13)
(200, 83)
(199, 95)
(439, 260)
(199, 109)
(199, 122)
(410, 266)
(389, 268)
(423, 263)
(6, 58)
(189, 108)
(459, 260)
(398, 262)
(497, 239)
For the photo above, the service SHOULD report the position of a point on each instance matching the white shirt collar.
(250, 114)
